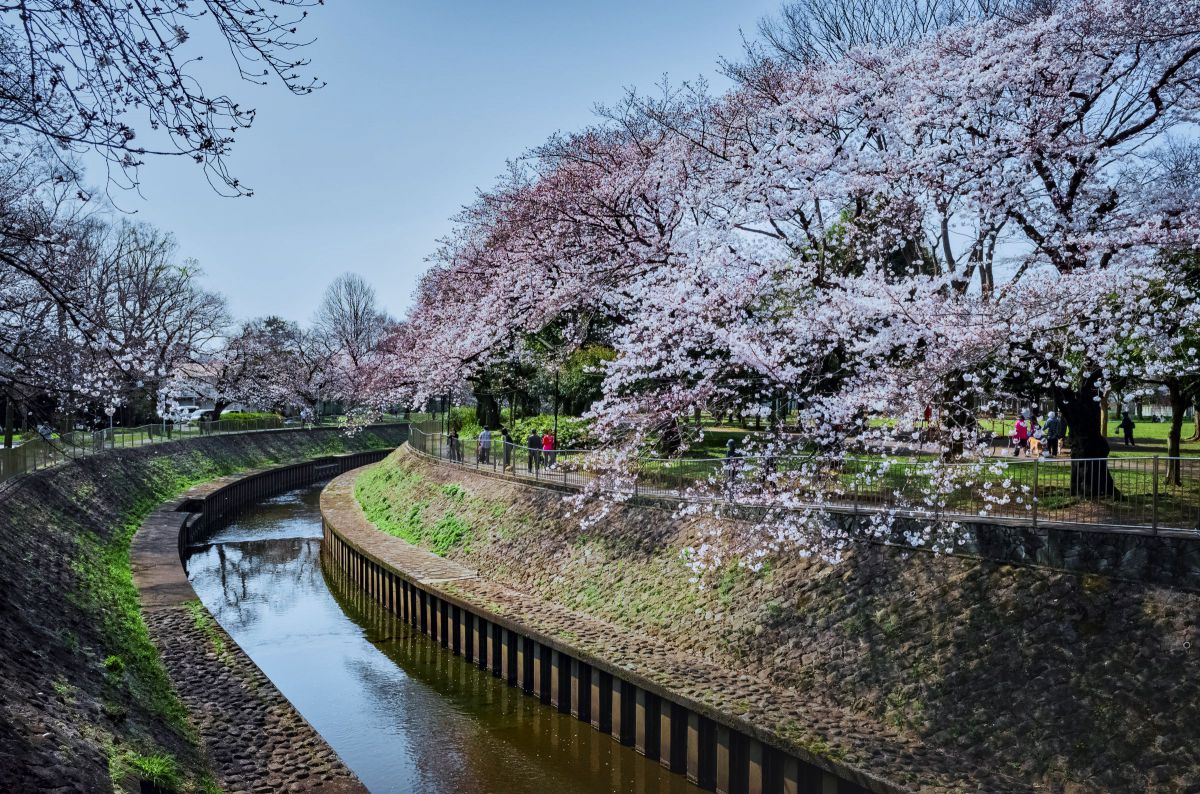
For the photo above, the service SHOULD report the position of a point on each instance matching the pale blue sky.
(424, 104)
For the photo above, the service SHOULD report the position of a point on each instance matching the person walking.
(534, 444)
(507, 443)
(1126, 427)
(548, 449)
(485, 446)
(455, 451)
(1020, 436)
(1054, 432)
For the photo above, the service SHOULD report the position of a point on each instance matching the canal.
(404, 713)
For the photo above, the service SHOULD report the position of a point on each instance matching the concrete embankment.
(88, 704)
(926, 672)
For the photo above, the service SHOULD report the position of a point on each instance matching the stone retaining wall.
(903, 660)
(724, 730)
(83, 685)
(256, 739)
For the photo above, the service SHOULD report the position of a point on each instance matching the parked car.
(199, 415)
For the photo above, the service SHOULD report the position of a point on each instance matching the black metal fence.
(1143, 493)
(40, 452)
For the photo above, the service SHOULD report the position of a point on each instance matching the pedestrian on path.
(507, 442)
(1020, 436)
(455, 448)
(1126, 427)
(548, 449)
(534, 445)
(1054, 431)
(733, 464)
(485, 446)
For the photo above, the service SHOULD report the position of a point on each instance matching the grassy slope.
(115, 703)
(1040, 674)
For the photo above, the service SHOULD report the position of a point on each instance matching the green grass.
(161, 769)
(105, 592)
(397, 502)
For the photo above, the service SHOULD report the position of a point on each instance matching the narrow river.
(404, 713)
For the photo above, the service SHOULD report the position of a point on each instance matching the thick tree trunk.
(957, 421)
(487, 411)
(1175, 435)
(1090, 477)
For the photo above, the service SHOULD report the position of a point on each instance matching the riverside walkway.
(1152, 495)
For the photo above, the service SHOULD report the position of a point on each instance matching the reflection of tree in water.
(247, 580)
(243, 580)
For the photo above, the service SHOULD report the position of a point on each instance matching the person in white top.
(485, 445)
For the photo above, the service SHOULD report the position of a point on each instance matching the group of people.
(1038, 440)
(541, 449)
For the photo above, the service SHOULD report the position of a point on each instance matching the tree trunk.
(958, 420)
(9, 416)
(487, 411)
(219, 408)
(1090, 477)
(1195, 419)
(1174, 436)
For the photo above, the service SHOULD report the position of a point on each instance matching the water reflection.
(404, 713)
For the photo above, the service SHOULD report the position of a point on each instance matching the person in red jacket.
(548, 449)
(1020, 436)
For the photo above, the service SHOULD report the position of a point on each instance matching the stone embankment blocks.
(84, 688)
(255, 739)
(726, 731)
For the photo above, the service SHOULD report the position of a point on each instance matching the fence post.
(1036, 465)
(1154, 503)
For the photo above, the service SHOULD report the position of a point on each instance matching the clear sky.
(424, 103)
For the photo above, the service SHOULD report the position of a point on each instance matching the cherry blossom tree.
(943, 219)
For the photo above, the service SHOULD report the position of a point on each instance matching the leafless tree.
(349, 319)
(87, 75)
(808, 32)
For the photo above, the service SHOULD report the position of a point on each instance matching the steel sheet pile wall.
(712, 754)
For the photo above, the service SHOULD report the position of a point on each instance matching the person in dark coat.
(1126, 427)
(534, 443)
(1054, 431)
(507, 441)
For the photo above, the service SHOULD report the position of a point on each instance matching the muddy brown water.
(404, 713)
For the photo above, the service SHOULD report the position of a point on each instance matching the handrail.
(1151, 493)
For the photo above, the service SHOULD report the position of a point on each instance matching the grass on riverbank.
(398, 502)
(110, 675)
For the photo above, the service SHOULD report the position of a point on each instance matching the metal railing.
(1143, 493)
(39, 453)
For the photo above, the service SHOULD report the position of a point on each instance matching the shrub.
(463, 420)
(573, 431)
(247, 416)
